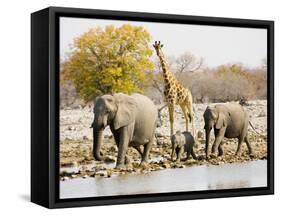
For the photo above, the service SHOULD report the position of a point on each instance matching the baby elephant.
(181, 143)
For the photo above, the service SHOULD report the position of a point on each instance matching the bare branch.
(156, 85)
(188, 63)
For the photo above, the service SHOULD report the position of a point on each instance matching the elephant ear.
(126, 110)
(220, 121)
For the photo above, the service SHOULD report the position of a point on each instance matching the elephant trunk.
(207, 142)
(97, 133)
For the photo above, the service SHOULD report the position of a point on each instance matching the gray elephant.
(229, 120)
(132, 121)
(181, 143)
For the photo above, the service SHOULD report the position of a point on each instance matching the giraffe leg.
(190, 113)
(186, 115)
(171, 114)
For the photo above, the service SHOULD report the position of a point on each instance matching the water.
(207, 177)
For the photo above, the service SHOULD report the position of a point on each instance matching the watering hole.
(196, 178)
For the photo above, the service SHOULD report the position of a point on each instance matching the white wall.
(15, 105)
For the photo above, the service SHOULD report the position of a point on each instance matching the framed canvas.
(132, 107)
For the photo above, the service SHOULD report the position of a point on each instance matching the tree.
(109, 60)
(187, 62)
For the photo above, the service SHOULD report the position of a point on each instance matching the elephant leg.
(146, 151)
(172, 154)
(127, 159)
(188, 153)
(179, 154)
(219, 134)
(238, 151)
(115, 136)
(221, 151)
(174, 145)
(193, 154)
(171, 115)
(122, 147)
(251, 152)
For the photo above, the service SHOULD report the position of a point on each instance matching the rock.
(262, 114)
(85, 138)
(200, 157)
(110, 159)
(74, 164)
(101, 173)
(166, 165)
(85, 176)
(200, 135)
(130, 169)
(158, 123)
(137, 170)
(166, 141)
(168, 156)
(159, 142)
(73, 176)
(156, 149)
(158, 135)
(99, 168)
(113, 148)
(109, 173)
(89, 157)
(84, 168)
(64, 178)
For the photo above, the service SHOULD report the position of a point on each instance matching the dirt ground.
(76, 144)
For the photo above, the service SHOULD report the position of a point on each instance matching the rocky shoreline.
(76, 144)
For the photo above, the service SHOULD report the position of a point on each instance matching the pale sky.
(217, 45)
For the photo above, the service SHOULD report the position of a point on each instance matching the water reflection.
(207, 177)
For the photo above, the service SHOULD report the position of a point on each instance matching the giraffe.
(175, 93)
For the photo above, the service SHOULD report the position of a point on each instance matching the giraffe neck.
(166, 72)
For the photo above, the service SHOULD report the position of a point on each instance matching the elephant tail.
(254, 129)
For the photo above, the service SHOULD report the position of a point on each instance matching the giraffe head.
(157, 46)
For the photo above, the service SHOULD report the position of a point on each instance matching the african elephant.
(229, 120)
(132, 121)
(181, 143)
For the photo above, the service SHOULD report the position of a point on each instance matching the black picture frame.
(45, 106)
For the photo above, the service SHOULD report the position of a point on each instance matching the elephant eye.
(107, 110)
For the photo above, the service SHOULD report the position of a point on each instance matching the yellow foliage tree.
(108, 60)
